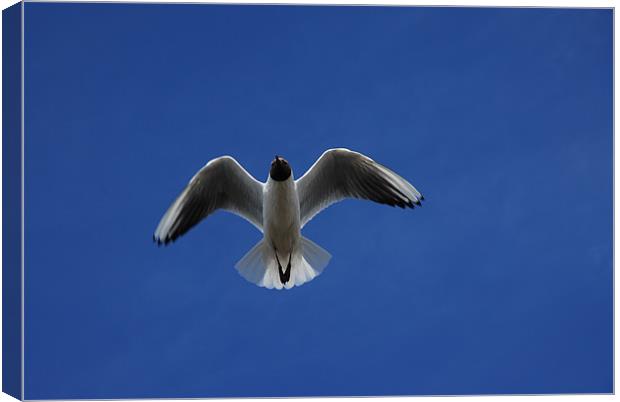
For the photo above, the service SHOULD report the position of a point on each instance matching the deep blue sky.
(501, 283)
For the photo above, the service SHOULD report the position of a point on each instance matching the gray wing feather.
(221, 184)
(341, 173)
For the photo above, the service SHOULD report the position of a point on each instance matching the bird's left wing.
(340, 173)
(221, 184)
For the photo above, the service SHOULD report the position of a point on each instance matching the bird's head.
(280, 169)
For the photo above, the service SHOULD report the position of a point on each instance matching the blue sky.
(500, 283)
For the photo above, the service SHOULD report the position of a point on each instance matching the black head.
(280, 169)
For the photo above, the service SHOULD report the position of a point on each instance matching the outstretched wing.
(340, 173)
(221, 184)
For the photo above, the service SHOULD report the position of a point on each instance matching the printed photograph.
(311, 201)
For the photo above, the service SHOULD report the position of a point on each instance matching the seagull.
(281, 207)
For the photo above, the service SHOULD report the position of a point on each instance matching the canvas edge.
(12, 285)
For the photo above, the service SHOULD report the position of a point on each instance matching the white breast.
(281, 221)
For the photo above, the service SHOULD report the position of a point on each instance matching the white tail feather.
(260, 267)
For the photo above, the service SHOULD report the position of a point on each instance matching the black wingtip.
(160, 242)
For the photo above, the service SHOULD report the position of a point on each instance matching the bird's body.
(281, 223)
(280, 208)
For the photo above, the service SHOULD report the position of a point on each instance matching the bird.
(281, 207)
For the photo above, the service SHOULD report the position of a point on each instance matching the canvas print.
(212, 201)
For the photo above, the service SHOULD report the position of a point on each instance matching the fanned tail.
(261, 266)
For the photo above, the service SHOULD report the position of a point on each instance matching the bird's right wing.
(221, 184)
(340, 173)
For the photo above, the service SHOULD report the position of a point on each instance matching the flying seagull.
(281, 207)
